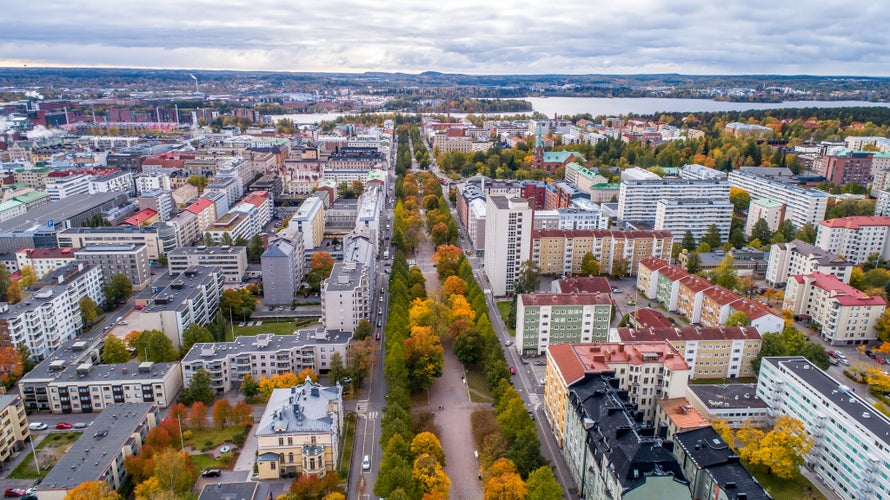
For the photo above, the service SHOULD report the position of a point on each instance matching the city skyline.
(460, 37)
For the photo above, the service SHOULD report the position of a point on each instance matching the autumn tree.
(453, 285)
(199, 415)
(738, 318)
(725, 274)
(589, 265)
(429, 473)
(114, 351)
(199, 181)
(11, 365)
(542, 485)
(740, 200)
(222, 412)
(27, 276)
(424, 357)
(504, 483)
(363, 330)
(175, 472)
(320, 266)
(447, 259)
(427, 442)
(781, 450)
(92, 490)
(241, 414)
(359, 359)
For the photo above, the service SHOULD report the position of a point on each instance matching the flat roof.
(727, 396)
(265, 342)
(91, 455)
(168, 293)
(58, 211)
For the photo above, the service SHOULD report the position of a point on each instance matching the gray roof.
(230, 491)
(823, 257)
(839, 395)
(92, 453)
(344, 276)
(170, 292)
(300, 409)
(707, 450)
(723, 396)
(70, 353)
(8, 399)
(106, 248)
(205, 250)
(278, 248)
(59, 211)
(265, 342)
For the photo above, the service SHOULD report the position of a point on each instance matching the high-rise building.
(638, 200)
(282, 265)
(801, 205)
(129, 259)
(693, 215)
(855, 238)
(508, 228)
(560, 318)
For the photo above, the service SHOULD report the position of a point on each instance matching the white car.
(37, 426)
(366, 463)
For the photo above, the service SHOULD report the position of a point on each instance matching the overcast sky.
(468, 36)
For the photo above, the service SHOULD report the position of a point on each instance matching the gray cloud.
(522, 36)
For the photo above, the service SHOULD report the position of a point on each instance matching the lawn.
(203, 461)
(49, 451)
(504, 308)
(799, 488)
(346, 445)
(279, 328)
(478, 386)
(209, 438)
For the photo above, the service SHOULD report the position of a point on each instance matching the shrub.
(187, 435)
(227, 458)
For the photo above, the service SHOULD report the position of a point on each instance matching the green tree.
(528, 279)
(28, 361)
(786, 228)
(468, 346)
(198, 389)
(198, 181)
(693, 262)
(241, 241)
(337, 370)
(249, 386)
(883, 326)
(114, 351)
(226, 239)
(192, 335)
(4, 282)
(740, 200)
(712, 236)
(256, 247)
(542, 485)
(152, 345)
(117, 290)
(807, 233)
(688, 242)
(761, 231)
(738, 318)
(208, 240)
(589, 265)
(724, 274)
(89, 310)
(28, 276)
(363, 330)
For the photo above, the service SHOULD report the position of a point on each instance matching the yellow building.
(13, 426)
(299, 433)
(711, 352)
(561, 252)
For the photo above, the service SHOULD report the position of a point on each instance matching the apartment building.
(79, 237)
(771, 211)
(476, 224)
(173, 303)
(648, 371)
(129, 259)
(205, 210)
(49, 313)
(801, 205)
(560, 318)
(159, 201)
(22, 203)
(230, 187)
(855, 238)
(609, 452)
(800, 257)
(841, 166)
(850, 438)
(309, 220)
(44, 260)
(710, 352)
(98, 455)
(508, 228)
(561, 252)
(263, 356)
(282, 264)
(847, 316)
(151, 182)
(60, 188)
(748, 130)
(638, 200)
(14, 425)
(693, 215)
(113, 181)
(299, 432)
(346, 296)
(73, 380)
(694, 171)
(735, 404)
(232, 260)
(675, 415)
(714, 470)
(185, 229)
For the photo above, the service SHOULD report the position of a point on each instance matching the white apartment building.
(801, 205)
(851, 439)
(310, 221)
(63, 187)
(263, 356)
(232, 260)
(771, 211)
(49, 313)
(571, 218)
(637, 200)
(857, 143)
(855, 238)
(560, 318)
(799, 257)
(693, 215)
(115, 181)
(476, 223)
(508, 228)
(230, 187)
(848, 316)
(694, 171)
(345, 296)
(44, 260)
(152, 182)
(882, 205)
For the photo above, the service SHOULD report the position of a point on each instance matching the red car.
(14, 492)
(63, 425)
(512, 370)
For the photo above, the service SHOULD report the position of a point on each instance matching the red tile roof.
(857, 222)
(141, 216)
(199, 206)
(584, 284)
(688, 333)
(695, 283)
(564, 299)
(845, 294)
(574, 360)
(653, 263)
(48, 253)
(673, 273)
(721, 295)
(752, 310)
(650, 318)
(255, 198)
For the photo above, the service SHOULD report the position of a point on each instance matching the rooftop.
(265, 342)
(598, 233)
(48, 253)
(168, 293)
(345, 276)
(576, 360)
(199, 205)
(650, 318)
(584, 284)
(205, 250)
(59, 211)
(682, 414)
(766, 203)
(687, 333)
(92, 453)
(823, 257)
(856, 222)
(141, 216)
(300, 409)
(565, 299)
(707, 450)
(110, 248)
(727, 396)
(843, 293)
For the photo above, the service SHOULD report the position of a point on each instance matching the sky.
(816, 37)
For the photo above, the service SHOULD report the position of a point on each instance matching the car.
(63, 425)
(123, 323)
(80, 425)
(379, 323)
(37, 426)
(366, 463)
(378, 335)
(271, 308)
(30, 495)
(380, 312)
(211, 473)
(512, 370)
(509, 343)
(833, 361)
(843, 361)
(280, 308)
(14, 492)
(540, 363)
(616, 290)
(833, 354)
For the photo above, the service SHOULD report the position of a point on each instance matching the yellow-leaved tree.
(504, 483)
(92, 490)
(781, 450)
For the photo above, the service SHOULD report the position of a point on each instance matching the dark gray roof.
(170, 292)
(230, 491)
(707, 450)
(91, 455)
(70, 353)
(721, 396)
(59, 211)
(823, 257)
(266, 342)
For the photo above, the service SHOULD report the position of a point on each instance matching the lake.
(623, 105)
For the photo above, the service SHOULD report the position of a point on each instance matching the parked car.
(366, 463)
(843, 361)
(540, 363)
(833, 361)
(211, 473)
(378, 335)
(509, 343)
(37, 426)
(63, 425)
(14, 492)
(512, 370)
(80, 425)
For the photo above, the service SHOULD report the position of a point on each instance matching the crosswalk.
(361, 409)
